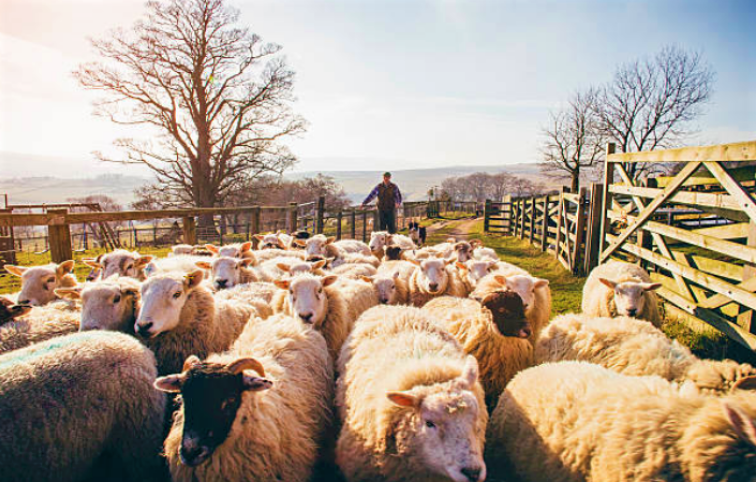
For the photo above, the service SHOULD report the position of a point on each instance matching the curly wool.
(40, 324)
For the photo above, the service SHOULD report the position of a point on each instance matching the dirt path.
(460, 228)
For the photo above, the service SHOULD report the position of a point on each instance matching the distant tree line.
(480, 186)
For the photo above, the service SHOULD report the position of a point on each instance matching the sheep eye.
(236, 267)
(177, 295)
(116, 299)
(320, 291)
(430, 424)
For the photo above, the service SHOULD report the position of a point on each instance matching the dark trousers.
(387, 220)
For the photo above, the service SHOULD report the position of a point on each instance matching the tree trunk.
(575, 181)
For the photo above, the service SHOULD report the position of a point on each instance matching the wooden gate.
(497, 216)
(694, 230)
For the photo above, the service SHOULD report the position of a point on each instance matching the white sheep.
(380, 239)
(268, 254)
(535, 294)
(69, 401)
(495, 331)
(39, 324)
(278, 268)
(253, 419)
(635, 347)
(238, 250)
(320, 247)
(473, 270)
(618, 288)
(354, 258)
(576, 421)
(274, 241)
(227, 272)
(480, 252)
(410, 403)
(109, 304)
(178, 249)
(433, 277)
(183, 263)
(255, 294)
(180, 317)
(391, 289)
(38, 283)
(119, 262)
(354, 271)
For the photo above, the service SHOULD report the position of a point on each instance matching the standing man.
(389, 200)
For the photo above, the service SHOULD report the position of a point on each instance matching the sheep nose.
(193, 453)
(384, 300)
(143, 329)
(525, 332)
(433, 286)
(306, 317)
(632, 312)
(472, 473)
(24, 302)
(221, 283)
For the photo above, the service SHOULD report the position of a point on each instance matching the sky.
(384, 84)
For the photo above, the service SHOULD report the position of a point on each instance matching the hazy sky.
(387, 84)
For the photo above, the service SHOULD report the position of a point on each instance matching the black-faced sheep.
(38, 283)
(253, 419)
(409, 400)
(67, 402)
(621, 289)
(576, 421)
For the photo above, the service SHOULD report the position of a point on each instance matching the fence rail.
(694, 231)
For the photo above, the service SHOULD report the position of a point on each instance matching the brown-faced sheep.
(616, 288)
(409, 400)
(180, 317)
(634, 347)
(38, 283)
(576, 421)
(433, 278)
(67, 402)
(495, 331)
(253, 419)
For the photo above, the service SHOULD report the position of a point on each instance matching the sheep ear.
(651, 286)
(300, 242)
(395, 275)
(170, 383)
(256, 384)
(193, 279)
(69, 293)
(15, 270)
(540, 283)
(245, 262)
(460, 266)
(330, 239)
(319, 264)
(65, 267)
(281, 244)
(242, 364)
(246, 246)
(91, 263)
(470, 372)
(329, 280)
(746, 383)
(501, 279)
(212, 248)
(283, 267)
(476, 243)
(743, 426)
(282, 283)
(403, 399)
(203, 265)
(258, 237)
(366, 279)
(143, 260)
(608, 283)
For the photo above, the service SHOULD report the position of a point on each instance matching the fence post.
(545, 224)
(532, 218)
(254, 225)
(486, 215)
(606, 197)
(292, 217)
(364, 226)
(577, 268)
(593, 230)
(320, 213)
(506, 213)
(560, 208)
(522, 218)
(353, 224)
(59, 233)
(190, 230)
(377, 220)
(339, 217)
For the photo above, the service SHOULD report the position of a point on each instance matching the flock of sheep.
(392, 361)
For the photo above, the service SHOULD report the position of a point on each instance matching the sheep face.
(629, 296)
(269, 241)
(378, 240)
(10, 311)
(38, 283)
(464, 251)
(122, 263)
(525, 286)
(107, 305)
(307, 298)
(302, 267)
(212, 394)
(473, 270)
(385, 286)
(182, 249)
(227, 271)
(508, 313)
(439, 427)
(163, 298)
(433, 276)
(315, 247)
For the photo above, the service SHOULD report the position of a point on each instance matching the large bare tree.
(651, 103)
(218, 98)
(573, 140)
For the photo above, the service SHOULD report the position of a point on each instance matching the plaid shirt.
(374, 193)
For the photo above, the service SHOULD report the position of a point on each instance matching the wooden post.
(532, 218)
(364, 226)
(292, 217)
(577, 268)
(377, 220)
(254, 225)
(593, 230)
(606, 196)
(190, 230)
(545, 224)
(487, 216)
(522, 218)
(353, 224)
(560, 208)
(506, 213)
(320, 213)
(745, 319)
(339, 217)
(59, 232)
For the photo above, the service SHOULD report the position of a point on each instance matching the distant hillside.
(414, 183)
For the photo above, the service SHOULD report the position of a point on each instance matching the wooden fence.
(694, 231)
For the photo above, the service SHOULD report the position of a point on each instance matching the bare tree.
(650, 103)
(218, 97)
(574, 141)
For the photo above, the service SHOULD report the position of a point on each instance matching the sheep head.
(226, 272)
(464, 251)
(439, 426)
(508, 313)
(385, 286)
(473, 270)
(106, 305)
(306, 297)
(163, 299)
(432, 276)
(630, 296)
(212, 394)
(378, 241)
(523, 285)
(38, 284)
